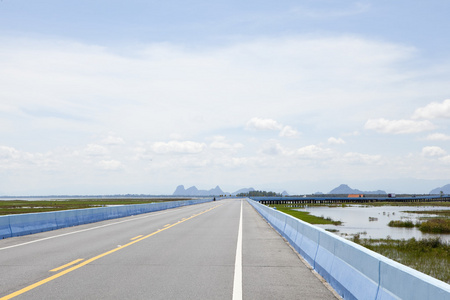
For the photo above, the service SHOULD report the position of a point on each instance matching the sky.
(138, 97)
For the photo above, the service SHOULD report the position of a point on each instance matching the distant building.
(355, 195)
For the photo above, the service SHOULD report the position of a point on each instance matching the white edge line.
(78, 231)
(237, 284)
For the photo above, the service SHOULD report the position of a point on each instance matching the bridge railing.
(352, 270)
(23, 224)
(365, 199)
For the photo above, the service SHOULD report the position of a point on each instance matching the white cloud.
(398, 126)
(336, 141)
(110, 165)
(113, 140)
(75, 91)
(263, 124)
(273, 149)
(434, 110)
(438, 137)
(288, 131)
(95, 150)
(359, 158)
(269, 124)
(219, 142)
(445, 159)
(8, 153)
(314, 152)
(178, 147)
(140, 153)
(11, 158)
(433, 151)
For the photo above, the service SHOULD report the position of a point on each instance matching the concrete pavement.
(183, 253)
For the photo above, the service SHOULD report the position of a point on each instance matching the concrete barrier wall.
(352, 270)
(23, 224)
(5, 228)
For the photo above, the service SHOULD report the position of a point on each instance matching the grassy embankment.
(429, 256)
(10, 207)
(305, 216)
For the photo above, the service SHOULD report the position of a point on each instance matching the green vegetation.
(435, 225)
(442, 213)
(444, 204)
(305, 216)
(429, 256)
(9, 207)
(259, 194)
(397, 223)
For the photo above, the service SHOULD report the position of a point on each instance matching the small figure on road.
(214, 199)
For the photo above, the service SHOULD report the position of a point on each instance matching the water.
(371, 222)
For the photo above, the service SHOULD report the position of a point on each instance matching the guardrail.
(23, 224)
(366, 199)
(352, 270)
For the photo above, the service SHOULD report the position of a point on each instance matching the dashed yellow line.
(66, 265)
(138, 239)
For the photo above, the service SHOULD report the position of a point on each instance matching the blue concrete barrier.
(352, 270)
(66, 218)
(23, 224)
(5, 228)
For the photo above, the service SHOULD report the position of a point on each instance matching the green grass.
(397, 223)
(444, 204)
(435, 225)
(10, 207)
(429, 256)
(442, 213)
(305, 216)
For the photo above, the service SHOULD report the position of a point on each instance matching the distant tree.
(259, 194)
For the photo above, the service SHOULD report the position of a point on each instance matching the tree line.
(259, 194)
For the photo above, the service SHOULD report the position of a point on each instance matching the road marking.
(66, 265)
(237, 284)
(82, 264)
(166, 225)
(150, 214)
(136, 237)
(83, 230)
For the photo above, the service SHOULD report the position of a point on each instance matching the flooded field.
(372, 222)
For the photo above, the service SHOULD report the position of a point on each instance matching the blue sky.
(105, 97)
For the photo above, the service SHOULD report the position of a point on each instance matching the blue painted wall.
(23, 224)
(352, 270)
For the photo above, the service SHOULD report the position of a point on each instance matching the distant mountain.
(179, 191)
(244, 191)
(193, 191)
(345, 189)
(445, 189)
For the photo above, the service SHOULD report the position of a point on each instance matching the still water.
(371, 222)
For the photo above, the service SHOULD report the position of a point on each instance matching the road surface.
(215, 250)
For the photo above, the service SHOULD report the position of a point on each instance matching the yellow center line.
(166, 225)
(66, 265)
(136, 237)
(44, 281)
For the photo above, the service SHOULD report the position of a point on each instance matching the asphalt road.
(193, 252)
